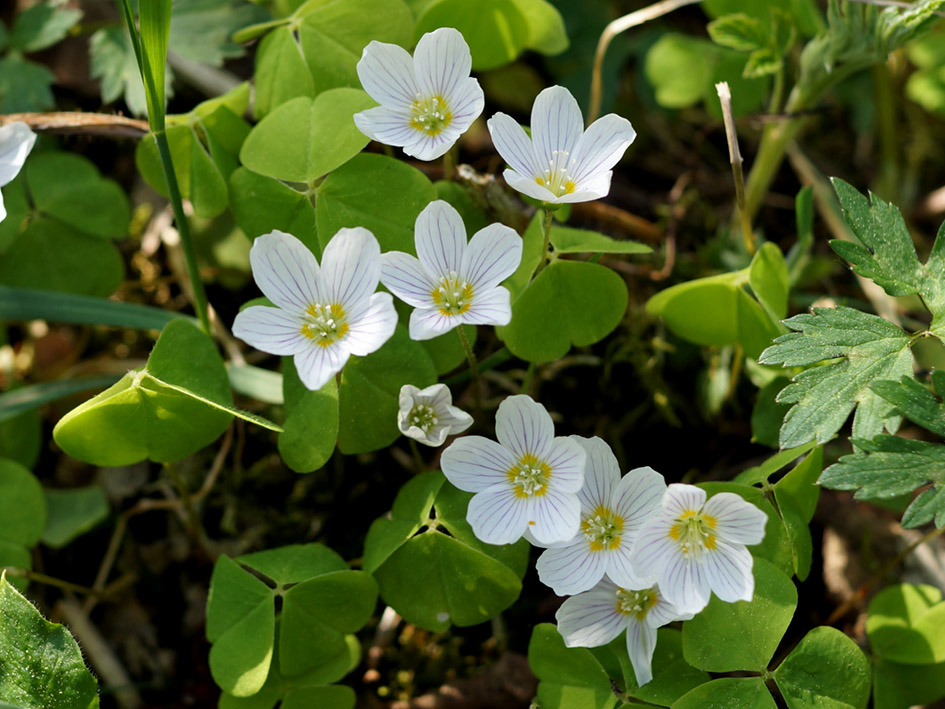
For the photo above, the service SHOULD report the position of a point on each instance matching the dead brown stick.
(79, 123)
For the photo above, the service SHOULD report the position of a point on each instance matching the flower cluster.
(637, 553)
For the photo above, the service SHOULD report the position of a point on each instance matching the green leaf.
(24, 85)
(360, 194)
(281, 72)
(767, 416)
(70, 188)
(28, 398)
(826, 669)
(303, 139)
(201, 29)
(755, 475)
(26, 304)
(260, 384)
(42, 664)
(240, 624)
(569, 303)
(21, 435)
(897, 685)
(739, 31)
(435, 579)
(447, 350)
(886, 254)
(262, 204)
(904, 624)
(334, 33)
(495, 30)
(177, 404)
(154, 19)
(575, 241)
(763, 62)
(294, 563)
(768, 277)
(41, 26)
(752, 629)
(546, 30)
(62, 259)
(676, 68)
(370, 390)
(869, 348)
(72, 513)
(797, 495)
(114, 65)
(914, 401)
(22, 505)
(531, 256)
(730, 693)
(311, 425)
(569, 678)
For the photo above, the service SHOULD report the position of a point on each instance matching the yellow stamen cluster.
(694, 531)
(636, 603)
(431, 115)
(603, 529)
(325, 324)
(453, 295)
(556, 176)
(529, 477)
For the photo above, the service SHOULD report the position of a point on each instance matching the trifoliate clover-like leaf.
(886, 254)
(865, 347)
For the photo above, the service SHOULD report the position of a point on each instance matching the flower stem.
(51, 581)
(546, 241)
(449, 165)
(417, 458)
(473, 369)
(735, 157)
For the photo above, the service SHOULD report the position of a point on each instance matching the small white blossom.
(560, 162)
(452, 282)
(612, 510)
(428, 415)
(596, 617)
(322, 315)
(427, 101)
(528, 480)
(695, 547)
(16, 141)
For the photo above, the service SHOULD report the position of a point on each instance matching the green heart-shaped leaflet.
(22, 516)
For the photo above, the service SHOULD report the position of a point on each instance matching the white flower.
(695, 547)
(560, 162)
(528, 480)
(612, 510)
(16, 141)
(596, 617)
(453, 283)
(428, 416)
(323, 315)
(428, 101)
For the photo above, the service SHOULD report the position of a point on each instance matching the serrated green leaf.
(869, 347)
(928, 505)
(41, 26)
(915, 402)
(201, 29)
(763, 62)
(113, 63)
(739, 31)
(24, 85)
(41, 663)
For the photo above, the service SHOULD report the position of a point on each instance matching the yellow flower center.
(453, 295)
(603, 529)
(430, 115)
(325, 324)
(694, 531)
(636, 603)
(423, 417)
(556, 176)
(529, 477)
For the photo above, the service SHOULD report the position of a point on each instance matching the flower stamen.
(453, 295)
(556, 177)
(694, 531)
(636, 603)
(430, 115)
(325, 324)
(423, 417)
(603, 529)
(529, 477)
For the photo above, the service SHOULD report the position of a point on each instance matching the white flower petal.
(524, 427)
(588, 192)
(386, 125)
(568, 461)
(492, 255)
(372, 326)
(728, 571)
(601, 474)
(737, 520)
(16, 142)
(664, 612)
(427, 323)
(555, 516)
(529, 187)
(440, 236)
(490, 307)
(601, 147)
(685, 584)
(515, 147)
(680, 499)
(557, 124)
(641, 642)
(431, 147)
(316, 364)
(621, 570)
(497, 517)
(571, 569)
(465, 102)
(403, 276)
(441, 61)
(637, 496)
(285, 270)
(456, 419)
(591, 619)
(386, 73)
(351, 267)
(408, 397)
(271, 330)
(653, 546)
(474, 464)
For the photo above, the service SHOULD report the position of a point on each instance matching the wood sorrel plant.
(365, 265)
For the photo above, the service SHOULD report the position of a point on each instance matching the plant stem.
(735, 157)
(417, 458)
(546, 240)
(473, 369)
(449, 164)
(52, 581)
